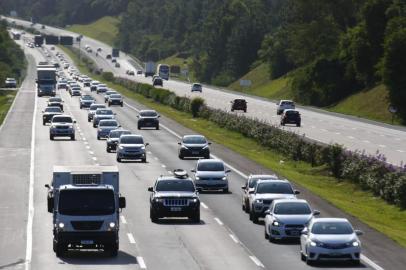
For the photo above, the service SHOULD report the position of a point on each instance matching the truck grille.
(335, 246)
(86, 179)
(176, 202)
(86, 225)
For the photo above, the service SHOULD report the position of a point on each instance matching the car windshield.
(118, 133)
(239, 101)
(292, 113)
(292, 208)
(332, 228)
(110, 123)
(62, 119)
(274, 188)
(131, 140)
(194, 140)
(53, 109)
(104, 112)
(197, 86)
(75, 89)
(87, 97)
(55, 99)
(175, 185)
(210, 166)
(86, 202)
(149, 113)
(95, 107)
(115, 96)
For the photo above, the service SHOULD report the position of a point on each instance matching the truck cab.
(86, 204)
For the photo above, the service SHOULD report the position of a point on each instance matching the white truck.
(149, 69)
(86, 204)
(46, 80)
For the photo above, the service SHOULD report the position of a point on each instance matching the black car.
(114, 137)
(55, 101)
(50, 112)
(174, 196)
(157, 81)
(148, 118)
(291, 117)
(239, 105)
(194, 146)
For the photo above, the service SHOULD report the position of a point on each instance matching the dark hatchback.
(148, 118)
(239, 105)
(174, 196)
(114, 137)
(291, 117)
(194, 146)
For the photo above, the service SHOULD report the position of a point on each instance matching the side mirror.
(199, 189)
(119, 125)
(316, 212)
(305, 231)
(228, 171)
(267, 212)
(43, 111)
(115, 113)
(50, 204)
(150, 189)
(193, 170)
(296, 192)
(138, 116)
(243, 187)
(146, 144)
(251, 192)
(179, 143)
(122, 202)
(159, 115)
(209, 143)
(358, 232)
(47, 186)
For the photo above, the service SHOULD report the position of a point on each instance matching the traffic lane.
(177, 240)
(64, 152)
(15, 152)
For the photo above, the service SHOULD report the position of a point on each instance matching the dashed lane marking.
(219, 221)
(204, 205)
(235, 239)
(257, 261)
(131, 238)
(141, 262)
(123, 220)
(94, 158)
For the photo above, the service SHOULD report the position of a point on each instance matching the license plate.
(86, 242)
(176, 209)
(294, 233)
(195, 152)
(335, 254)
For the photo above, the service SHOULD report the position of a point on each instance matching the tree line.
(330, 48)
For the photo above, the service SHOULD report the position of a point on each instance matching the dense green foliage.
(11, 57)
(63, 12)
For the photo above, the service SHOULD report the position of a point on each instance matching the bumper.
(112, 145)
(211, 184)
(61, 132)
(148, 123)
(115, 102)
(131, 155)
(324, 254)
(282, 232)
(86, 239)
(194, 152)
(179, 211)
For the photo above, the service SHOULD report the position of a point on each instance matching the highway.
(355, 134)
(225, 238)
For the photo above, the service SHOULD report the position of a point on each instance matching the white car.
(249, 188)
(211, 174)
(265, 192)
(62, 126)
(330, 239)
(10, 83)
(284, 105)
(286, 218)
(93, 85)
(115, 99)
(131, 147)
(101, 88)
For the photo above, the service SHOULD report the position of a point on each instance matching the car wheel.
(356, 262)
(139, 127)
(98, 137)
(243, 206)
(245, 110)
(118, 159)
(232, 110)
(180, 156)
(51, 137)
(122, 104)
(302, 256)
(94, 125)
(282, 123)
(157, 127)
(196, 217)
(225, 190)
(44, 123)
(152, 216)
(144, 160)
(109, 104)
(111, 249)
(108, 150)
(247, 208)
(60, 250)
(72, 137)
(253, 217)
(298, 124)
(88, 120)
(80, 106)
(207, 156)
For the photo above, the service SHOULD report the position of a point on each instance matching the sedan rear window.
(210, 166)
(274, 188)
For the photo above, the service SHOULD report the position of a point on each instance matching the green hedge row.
(369, 172)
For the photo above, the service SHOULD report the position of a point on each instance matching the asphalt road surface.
(353, 133)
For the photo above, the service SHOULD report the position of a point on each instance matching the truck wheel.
(196, 217)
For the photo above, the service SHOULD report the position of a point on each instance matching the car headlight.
(158, 200)
(277, 223)
(61, 225)
(100, 129)
(112, 225)
(313, 244)
(355, 244)
(120, 147)
(316, 244)
(194, 200)
(224, 178)
(259, 201)
(143, 148)
(197, 178)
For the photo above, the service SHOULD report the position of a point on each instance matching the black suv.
(194, 146)
(174, 196)
(239, 105)
(148, 118)
(55, 102)
(291, 117)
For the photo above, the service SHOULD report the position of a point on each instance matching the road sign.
(66, 40)
(245, 83)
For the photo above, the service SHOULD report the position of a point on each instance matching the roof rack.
(180, 173)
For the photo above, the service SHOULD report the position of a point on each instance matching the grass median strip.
(6, 99)
(386, 218)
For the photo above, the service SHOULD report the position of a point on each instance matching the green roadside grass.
(105, 29)
(371, 104)
(388, 219)
(6, 99)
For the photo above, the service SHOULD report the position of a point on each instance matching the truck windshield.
(86, 202)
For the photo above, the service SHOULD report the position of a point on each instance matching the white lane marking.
(85, 142)
(28, 249)
(370, 263)
(169, 172)
(97, 164)
(131, 238)
(163, 166)
(204, 205)
(235, 239)
(366, 141)
(123, 220)
(10, 109)
(350, 137)
(141, 262)
(155, 158)
(257, 261)
(84, 139)
(149, 152)
(94, 158)
(401, 151)
(87, 147)
(219, 221)
(91, 152)
(323, 129)
(338, 133)
(382, 146)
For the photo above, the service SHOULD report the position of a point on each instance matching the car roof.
(99, 104)
(132, 135)
(173, 178)
(239, 99)
(53, 107)
(263, 176)
(330, 220)
(212, 160)
(108, 120)
(190, 136)
(120, 129)
(142, 111)
(290, 201)
(63, 115)
(286, 100)
(273, 181)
